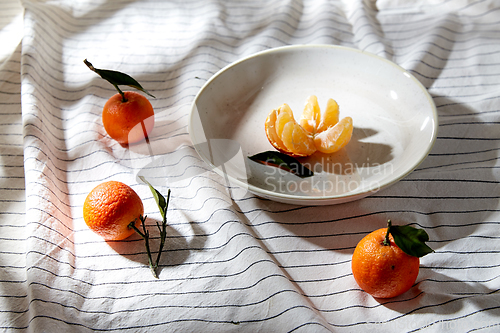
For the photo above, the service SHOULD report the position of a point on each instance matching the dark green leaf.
(411, 240)
(159, 198)
(282, 161)
(117, 78)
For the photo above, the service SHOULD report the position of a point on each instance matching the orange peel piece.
(315, 131)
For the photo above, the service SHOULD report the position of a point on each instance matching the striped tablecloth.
(248, 264)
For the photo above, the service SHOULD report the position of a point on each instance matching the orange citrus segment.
(270, 126)
(335, 137)
(285, 116)
(297, 140)
(311, 116)
(330, 117)
(286, 135)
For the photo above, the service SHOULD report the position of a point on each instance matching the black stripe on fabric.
(307, 325)
(170, 306)
(284, 19)
(253, 284)
(454, 268)
(456, 164)
(483, 327)
(233, 238)
(430, 306)
(164, 323)
(448, 320)
(152, 294)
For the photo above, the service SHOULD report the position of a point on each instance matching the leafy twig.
(162, 206)
(145, 235)
(117, 78)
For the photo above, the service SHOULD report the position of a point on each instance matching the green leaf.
(117, 78)
(282, 161)
(159, 198)
(410, 240)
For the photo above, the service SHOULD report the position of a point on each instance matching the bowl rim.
(314, 200)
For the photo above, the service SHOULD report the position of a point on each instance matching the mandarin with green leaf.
(128, 117)
(381, 268)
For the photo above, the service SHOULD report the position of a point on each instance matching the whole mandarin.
(383, 271)
(110, 207)
(128, 121)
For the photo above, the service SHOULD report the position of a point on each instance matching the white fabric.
(248, 264)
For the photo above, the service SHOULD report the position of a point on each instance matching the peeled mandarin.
(314, 131)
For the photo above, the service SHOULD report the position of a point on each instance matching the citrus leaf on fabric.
(117, 78)
(411, 240)
(282, 161)
(159, 198)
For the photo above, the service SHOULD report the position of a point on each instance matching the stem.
(145, 236)
(145, 132)
(89, 65)
(386, 241)
(124, 100)
(163, 206)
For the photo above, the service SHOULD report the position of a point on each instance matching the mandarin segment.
(286, 135)
(270, 126)
(314, 131)
(311, 116)
(284, 116)
(334, 138)
(330, 117)
(296, 140)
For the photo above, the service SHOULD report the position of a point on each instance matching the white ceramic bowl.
(395, 121)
